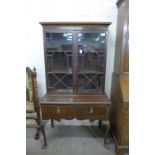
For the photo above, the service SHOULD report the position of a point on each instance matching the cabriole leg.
(37, 135)
(107, 125)
(52, 123)
(44, 136)
(100, 124)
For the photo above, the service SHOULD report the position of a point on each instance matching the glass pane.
(59, 50)
(91, 49)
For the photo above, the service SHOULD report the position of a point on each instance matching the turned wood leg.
(100, 124)
(52, 123)
(44, 136)
(107, 124)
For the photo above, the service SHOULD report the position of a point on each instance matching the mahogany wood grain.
(72, 104)
(75, 99)
(75, 106)
(98, 112)
(57, 112)
(75, 23)
(74, 28)
(88, 106)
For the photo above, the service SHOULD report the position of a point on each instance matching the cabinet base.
(120, 149)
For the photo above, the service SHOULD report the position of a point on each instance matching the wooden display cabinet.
(75, 57)
(75, 64)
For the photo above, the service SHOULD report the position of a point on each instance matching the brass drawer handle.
(91, 110)
(58, 109)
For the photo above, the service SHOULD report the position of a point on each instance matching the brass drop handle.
(91, 110)
(58, 109)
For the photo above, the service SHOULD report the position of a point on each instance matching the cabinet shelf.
(90, 72)
(79, 72)
(59, 72)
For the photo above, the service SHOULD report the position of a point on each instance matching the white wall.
(67, 10)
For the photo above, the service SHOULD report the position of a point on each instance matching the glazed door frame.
(46, 61)
(74, 32)
(105, 55)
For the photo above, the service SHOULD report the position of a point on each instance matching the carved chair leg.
(107, 124)
(44, 135)
(52, 123)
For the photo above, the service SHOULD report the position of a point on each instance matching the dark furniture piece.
(75, 64)
(119, 114)
(92, 107)
(75, 57)
(32, 106)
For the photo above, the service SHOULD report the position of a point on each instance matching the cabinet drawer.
(92, 112)
(57, 112)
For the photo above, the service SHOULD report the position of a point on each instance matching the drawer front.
(57, 112)
(92, 112)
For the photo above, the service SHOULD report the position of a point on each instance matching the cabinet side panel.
(115, 112)
(118, 116)
(125, 128)
(119, 39)
(126, 38)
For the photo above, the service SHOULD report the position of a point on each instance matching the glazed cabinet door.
(75, 61)
(91, 61)
(58, 58)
